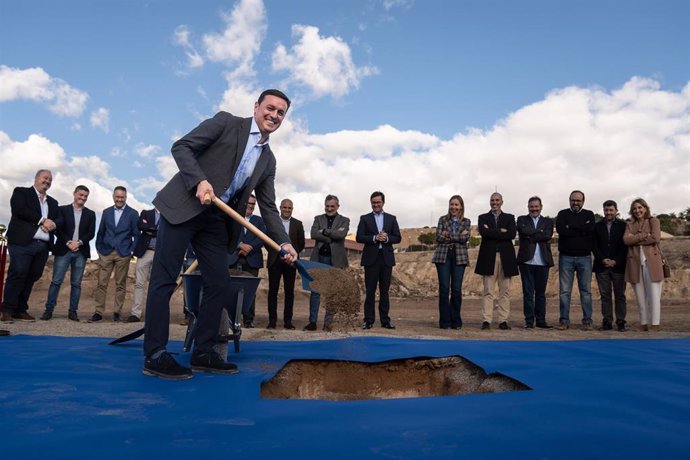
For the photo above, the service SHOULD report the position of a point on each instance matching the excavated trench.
(401, 378)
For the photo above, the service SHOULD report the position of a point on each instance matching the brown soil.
(339, 295)
(402, 378)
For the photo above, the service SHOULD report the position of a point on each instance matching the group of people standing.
(39, 225)
(616, 251)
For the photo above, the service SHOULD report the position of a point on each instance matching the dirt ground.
(415, 314)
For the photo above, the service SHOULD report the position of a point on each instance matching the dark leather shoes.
(47, 315)
(212, 362)
(289, 326)
(367, 325)
(388, 326)
(486, 325)
(6, 317)
(24, 316)
(96, 317)
(165, 367)
(544, 326)
(132, 319)
(504, 326)
(271, 326)
(310, 327)
(529, 326)
(72, 315)
(249, 324)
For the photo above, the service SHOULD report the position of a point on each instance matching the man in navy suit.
(29, 236)
(229, 156)
(115, 240)
(143, 251)
(247, 256)
(496, 261)
(534, 259)
(76, 227)
(378, 231)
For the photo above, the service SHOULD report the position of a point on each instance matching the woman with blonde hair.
(451, 259)
(644, 268)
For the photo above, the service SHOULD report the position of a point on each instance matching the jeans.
(450, 278)
(76, 262)
(315, 298)
(534, 279)
(567, 267)
(612, 285)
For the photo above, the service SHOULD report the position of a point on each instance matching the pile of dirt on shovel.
(340, 295)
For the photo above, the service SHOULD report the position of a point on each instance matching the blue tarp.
(80, 398)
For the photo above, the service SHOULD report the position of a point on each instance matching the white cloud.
(390, 4)
(240, 42)
(146, 151)
(620, 144)
(36, 84)
(181, 37)
(100, 118)
(323, 64)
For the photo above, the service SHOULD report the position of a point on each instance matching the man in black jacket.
(534, 260)
(575, 226)
(496, 262)
(76, 227)
(30, 236)
(609, 265)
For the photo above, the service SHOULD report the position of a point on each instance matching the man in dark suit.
(328, 232)
(610, 254)
(115, 241)
(534, 259)
(247, 256)
(76, 227)
(277, 269)
(29, 237)
(230, 156)
(378, 231)
(496, 262)
(143, 251)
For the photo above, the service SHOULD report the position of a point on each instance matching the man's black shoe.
(544, 326)
(47, 315)
(529, 326)
(504, 326)
(271, 326)
(310, 327)
(132, 319)
(289, 326)
(116, 317)
(165, 367)
(486, 325)
(212, 362)
(367, 325)
(249, 324)
(388, 326)
(72, 315)
(621, 327)
(606, 326)
(96, 317)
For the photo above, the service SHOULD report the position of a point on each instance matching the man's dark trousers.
(288, 273)
(381, 274)
(534, 279)
(208, 235)
(610, 282)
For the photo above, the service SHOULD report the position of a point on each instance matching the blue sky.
(422, 99)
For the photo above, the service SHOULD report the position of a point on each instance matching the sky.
(419, 99)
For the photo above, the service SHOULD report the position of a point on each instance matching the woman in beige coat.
(644, 268)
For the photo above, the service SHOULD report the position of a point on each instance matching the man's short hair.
(41, 171)
(120, 187)
(535, 198)
(377, 193)
(81, 188)
(578, 191)
(331, 198)
(608, 203)
(276, 93)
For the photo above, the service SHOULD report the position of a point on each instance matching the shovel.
(303, 266)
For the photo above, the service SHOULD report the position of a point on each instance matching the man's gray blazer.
(341, 225)
(213, 151)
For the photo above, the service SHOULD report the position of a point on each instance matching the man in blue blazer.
(247, 256)
(225, 157)
(76, 227)
(115, 241)
(30, 235)
(378, 231)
